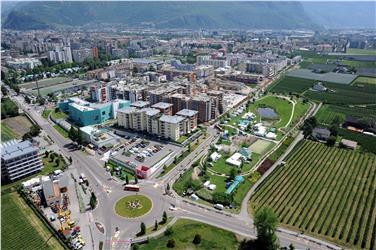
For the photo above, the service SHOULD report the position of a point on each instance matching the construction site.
(51, 196)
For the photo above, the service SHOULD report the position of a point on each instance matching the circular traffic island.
(133, 206)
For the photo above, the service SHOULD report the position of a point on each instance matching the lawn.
(44, 83)
(181, 184)
(184, 231)
(261, 146)
(281, 106)
(7, 133)
(46, 113)
(61, 130)
(51, 165)
(325, 191)
(133, 206)
(21, 228)
(58, 115)
(220, 166)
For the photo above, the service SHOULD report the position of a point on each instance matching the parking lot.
(138, 151)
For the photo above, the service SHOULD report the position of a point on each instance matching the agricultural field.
(21, 228)
(361, 51)
(7, 133)
(364, 80)
(323, 77)
(14, 127)
(326, 192)
(339, 94)
(45, 83)
(183, 232)
(367, 142)
(328, 112)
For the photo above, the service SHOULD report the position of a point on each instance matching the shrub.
(169, 231)
(197, 239)
(171, 243)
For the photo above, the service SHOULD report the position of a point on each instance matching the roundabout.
(133, 206)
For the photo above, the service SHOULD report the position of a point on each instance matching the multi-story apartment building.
(101, 92)
(81, 55)
(163, 107)
(191, 116)
(153, 121)
(60, 54)
(19, 159)
(202, 104)
(179, 102)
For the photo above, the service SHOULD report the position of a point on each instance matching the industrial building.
(19, 159)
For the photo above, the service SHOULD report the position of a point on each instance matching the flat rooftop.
(14, 149)
(140, 104)
(162, 105)
(187, 112)
(150, 111)
(171, 118)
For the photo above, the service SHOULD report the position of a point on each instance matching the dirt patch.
(195, 174)
(265, 165)
(239, 140)
(19, 124)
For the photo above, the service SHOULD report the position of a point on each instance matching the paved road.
(108, 191)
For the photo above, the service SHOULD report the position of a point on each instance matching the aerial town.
(118, 137)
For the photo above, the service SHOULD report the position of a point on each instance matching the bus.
(130, 187)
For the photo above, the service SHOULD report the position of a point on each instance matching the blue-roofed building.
(19, 159)
(84, 113)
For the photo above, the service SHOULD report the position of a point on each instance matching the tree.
(266, 222)
(142, 229)
(93, 200)
(308, 126)
(27, 99)
(189, 147)
(156, 225)
(46, 154)
(135, 179)
(333, 130)
(57, 161)
(4, 90)
(126, 179)
(291, 247)
(197, 239)
(171, 243)
(331, 141)
(168, 187)
(52, 157)
(233, 173)
(222, 198)
(164, 217)
(34, 130)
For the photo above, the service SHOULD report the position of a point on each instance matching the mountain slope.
(342, 14)
(194, 15)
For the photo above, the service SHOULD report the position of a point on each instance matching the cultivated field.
(364, 80)
(324, 77)
(327, 192)
(21, 228)
(327, 112)
(339, 94)
(14, 127)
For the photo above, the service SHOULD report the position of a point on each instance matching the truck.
(131, 187)
(218, 206)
